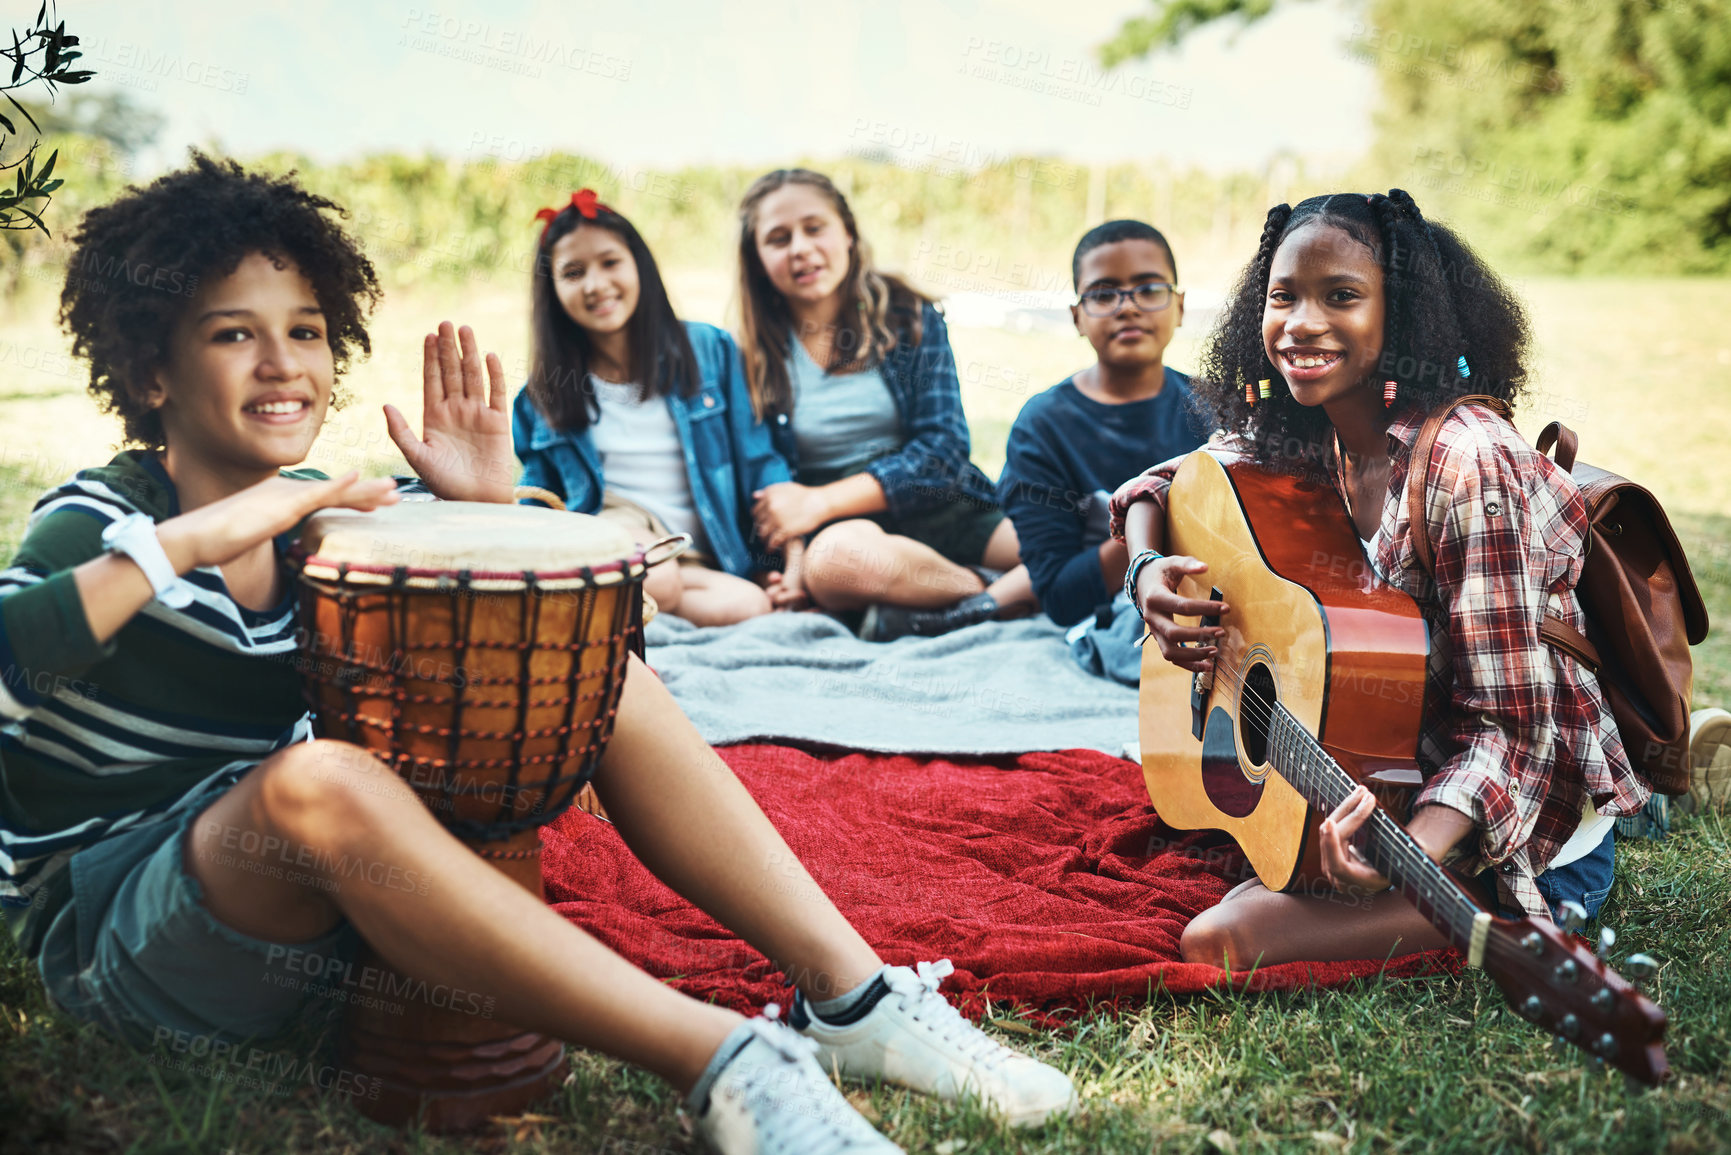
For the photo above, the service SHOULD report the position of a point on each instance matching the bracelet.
(135, 536)
(1141, 559)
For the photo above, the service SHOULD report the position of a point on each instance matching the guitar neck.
(1315, 774)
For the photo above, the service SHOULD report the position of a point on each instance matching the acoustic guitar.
(1318, 685)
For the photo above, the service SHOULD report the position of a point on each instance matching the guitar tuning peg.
(1574, 917)
(1641, 968)
(1607, 940)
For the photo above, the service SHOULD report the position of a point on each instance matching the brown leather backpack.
(1642, 607)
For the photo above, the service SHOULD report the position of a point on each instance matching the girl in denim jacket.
(631, 414)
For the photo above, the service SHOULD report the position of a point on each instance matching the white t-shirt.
(641, 457)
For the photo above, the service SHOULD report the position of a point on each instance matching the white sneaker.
(772, 1098)
(1709, 761)
(914, 1037)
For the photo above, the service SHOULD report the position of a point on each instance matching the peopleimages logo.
(1064, 77)
(154, 64)
(509, 49)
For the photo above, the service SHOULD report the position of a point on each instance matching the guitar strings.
(1394, 844)
(1501, 949)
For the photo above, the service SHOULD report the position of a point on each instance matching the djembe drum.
(479, 651)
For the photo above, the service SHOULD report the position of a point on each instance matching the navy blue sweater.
(1066, 455)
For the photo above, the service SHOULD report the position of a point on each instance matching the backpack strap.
(1571, 641)
(1552, 630)
(1418, 468)
(1560, 435)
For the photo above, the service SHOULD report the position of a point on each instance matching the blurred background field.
(1639, 367)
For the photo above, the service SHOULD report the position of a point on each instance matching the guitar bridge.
(1201, 683)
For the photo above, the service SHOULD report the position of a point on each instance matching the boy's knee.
(313, 784)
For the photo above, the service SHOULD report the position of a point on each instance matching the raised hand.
(464, 452)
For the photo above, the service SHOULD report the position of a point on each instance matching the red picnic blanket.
(1047, 879)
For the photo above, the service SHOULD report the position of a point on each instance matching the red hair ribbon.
(586, 201)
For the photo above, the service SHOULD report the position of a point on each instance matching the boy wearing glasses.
(1072, 445)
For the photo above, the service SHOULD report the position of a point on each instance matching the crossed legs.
(852, 564)
(704, 596)
(473, 928)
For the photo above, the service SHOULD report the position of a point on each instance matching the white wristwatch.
(135, 536)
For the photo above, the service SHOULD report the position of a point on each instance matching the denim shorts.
(958, 527)
(1587, 880)
(135, 951)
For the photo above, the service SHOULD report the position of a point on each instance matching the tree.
(1580, 135)
(58, 52)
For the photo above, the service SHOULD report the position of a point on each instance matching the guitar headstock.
(1554, 982)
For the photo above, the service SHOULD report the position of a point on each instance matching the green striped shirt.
(100, 738)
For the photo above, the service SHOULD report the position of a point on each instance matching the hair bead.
(1462, 365)
(1388, 390)
(1262, 389)
(1249, 392)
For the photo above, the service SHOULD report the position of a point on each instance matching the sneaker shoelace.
(806, 1124)
(919, 996)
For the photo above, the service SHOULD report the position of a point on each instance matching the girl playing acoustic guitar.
(1356, 317)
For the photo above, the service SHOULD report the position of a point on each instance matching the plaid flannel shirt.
(1516, 734)
(933, 468)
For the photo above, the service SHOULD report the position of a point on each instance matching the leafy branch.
(58, 52)
(1173, 20)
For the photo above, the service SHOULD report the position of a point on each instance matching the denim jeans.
(1586, 880)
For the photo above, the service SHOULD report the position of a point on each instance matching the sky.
(665, 83)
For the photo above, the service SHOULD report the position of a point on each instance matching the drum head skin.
(495, 544)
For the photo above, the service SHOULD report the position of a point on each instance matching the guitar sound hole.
(1255, 712)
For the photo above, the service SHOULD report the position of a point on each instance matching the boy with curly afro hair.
(155, 766)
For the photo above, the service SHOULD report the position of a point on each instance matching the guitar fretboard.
(1310, 770)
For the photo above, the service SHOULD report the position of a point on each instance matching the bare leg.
(666, 585)
(1014, 592)
(466, 925)
(713, 598)
(690, 821)
(852, 564)
(462, 923)
(1255, 926)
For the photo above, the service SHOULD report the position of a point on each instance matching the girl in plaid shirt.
(852, 371)
(1363, 316)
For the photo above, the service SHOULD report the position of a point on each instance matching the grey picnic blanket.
(995, 688)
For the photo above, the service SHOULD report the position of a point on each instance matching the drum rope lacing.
(359, 678)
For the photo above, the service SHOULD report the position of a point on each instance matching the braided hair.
(1442, 304)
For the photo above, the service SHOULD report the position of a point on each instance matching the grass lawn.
(1434, 1064)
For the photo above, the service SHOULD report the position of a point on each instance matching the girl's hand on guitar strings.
(1157, 600)
(1343, 864)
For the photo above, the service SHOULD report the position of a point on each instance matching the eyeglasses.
(1149, 296)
